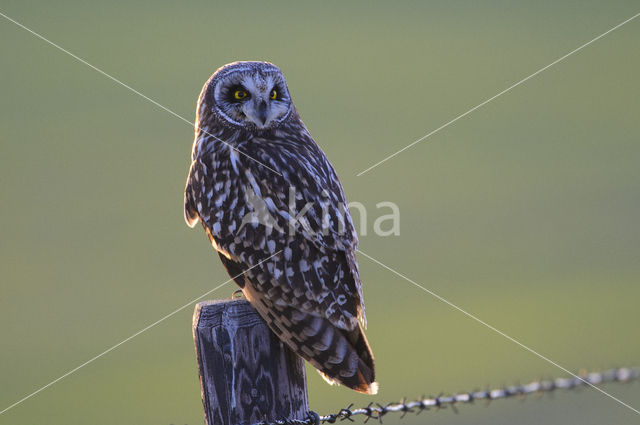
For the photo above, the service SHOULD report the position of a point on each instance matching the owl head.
(250, 95)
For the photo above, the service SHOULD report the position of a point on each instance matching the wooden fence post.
(246, 374)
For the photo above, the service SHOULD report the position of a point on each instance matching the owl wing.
(251, 213)
(190, 210)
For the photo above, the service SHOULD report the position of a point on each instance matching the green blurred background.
(525, 213)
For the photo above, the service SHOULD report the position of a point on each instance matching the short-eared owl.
(274, 209)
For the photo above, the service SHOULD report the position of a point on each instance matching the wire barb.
(538, 387)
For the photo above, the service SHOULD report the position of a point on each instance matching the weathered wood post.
(246, 374)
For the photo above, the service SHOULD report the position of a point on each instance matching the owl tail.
(341, 356)
(363, 380)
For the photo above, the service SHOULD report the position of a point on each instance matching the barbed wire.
(378, 411)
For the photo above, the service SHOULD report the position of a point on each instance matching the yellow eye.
(240, 94)
(273, 95)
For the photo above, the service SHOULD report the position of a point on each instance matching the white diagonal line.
(114, 79)
(497, 95)
(91, 360)
(531, 350)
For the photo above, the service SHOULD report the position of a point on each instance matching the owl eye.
(240, 94)
(273, 95)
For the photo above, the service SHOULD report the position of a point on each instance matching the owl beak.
(262, 112)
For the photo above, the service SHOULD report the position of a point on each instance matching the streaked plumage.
(251, 149)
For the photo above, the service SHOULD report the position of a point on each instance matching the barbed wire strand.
(378, 411)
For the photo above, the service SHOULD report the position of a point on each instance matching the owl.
(273, 208)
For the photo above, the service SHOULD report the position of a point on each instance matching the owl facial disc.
(253, 95)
